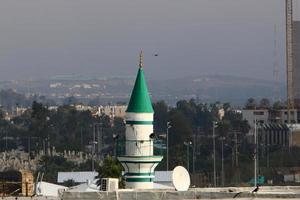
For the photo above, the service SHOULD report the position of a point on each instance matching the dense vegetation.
(193, 122)
(69, 129)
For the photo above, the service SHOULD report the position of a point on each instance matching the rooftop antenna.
(141, 59)
(276, 96)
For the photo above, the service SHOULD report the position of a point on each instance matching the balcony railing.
(140, 147)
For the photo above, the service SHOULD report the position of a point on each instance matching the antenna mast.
(276, 68)
(289, 57)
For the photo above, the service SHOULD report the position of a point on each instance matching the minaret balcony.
(140, 147)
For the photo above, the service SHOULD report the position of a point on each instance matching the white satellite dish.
(181, 179)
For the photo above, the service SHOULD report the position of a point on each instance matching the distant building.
(53, 108)
(281, 116)
(112, 111)
(295, 135)
(271, 134)
(20, 111)
(290, 174)
(81, 107)
(221, 113)
(260, 115)
(269, 116)
(273, 126)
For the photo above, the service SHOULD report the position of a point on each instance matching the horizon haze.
(103, 38)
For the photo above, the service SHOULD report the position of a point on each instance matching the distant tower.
(139, 162)
(276, 96)
(296, 52)
(292, 56)
(289, 58)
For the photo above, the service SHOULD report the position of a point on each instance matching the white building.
(263, 116)
(112, 111)
(260, 115)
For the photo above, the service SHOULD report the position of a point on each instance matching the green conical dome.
(140, 100)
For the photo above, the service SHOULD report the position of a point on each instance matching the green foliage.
(9, 99)
(264, 103)
(192, 121)
(51, 165)
(277, 105)
(251, 103)
(285, 157)
(160, 116)
(69, 129)
(69, 183)
(110, 168)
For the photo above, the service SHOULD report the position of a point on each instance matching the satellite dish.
(181, 179)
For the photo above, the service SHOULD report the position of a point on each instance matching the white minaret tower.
(139, 162)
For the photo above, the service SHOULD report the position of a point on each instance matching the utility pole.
(276, 68)
(29, 148)
(94, 147)
(236, 149)
(188, 157)
(223, 177)
(255, 153)
(99, 141)
(194, 150)
(187, 144)
(81, 140)
(168, 126)
(268, 156)
(6, 144)
(214, 152)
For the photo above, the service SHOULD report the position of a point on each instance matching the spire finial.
(141, 59)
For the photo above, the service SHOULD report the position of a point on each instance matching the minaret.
(139, 162)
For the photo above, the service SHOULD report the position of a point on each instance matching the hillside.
(208, 88)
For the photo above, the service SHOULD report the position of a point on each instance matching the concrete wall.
(274, 192)
(30, 198)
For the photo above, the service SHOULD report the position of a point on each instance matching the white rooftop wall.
(49, 189)
(85, 187)
(163, 176)
(78, 177)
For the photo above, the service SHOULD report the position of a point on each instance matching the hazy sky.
(41, 39)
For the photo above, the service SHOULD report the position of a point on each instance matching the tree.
(264, 103)
(69, 183)
(250, 104)
(119, 127)
(160, 116)
(111, 168)
(180, 132)
(226, 107)
(70, 101)
(277, 105)
(51, 165)
(39, 120)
